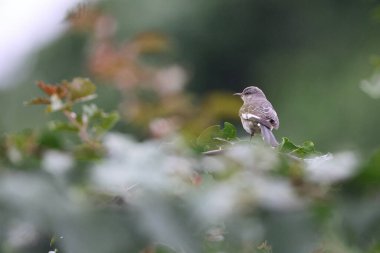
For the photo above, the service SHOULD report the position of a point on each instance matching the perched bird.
(257, 114)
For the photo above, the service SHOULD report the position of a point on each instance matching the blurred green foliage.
(163, 196)
(139, 169)
(214, 138)
(308, 57)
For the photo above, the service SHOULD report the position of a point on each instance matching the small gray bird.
(257, 114)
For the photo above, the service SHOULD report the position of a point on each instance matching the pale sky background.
(26, 26)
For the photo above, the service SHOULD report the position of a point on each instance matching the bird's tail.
(268, 136)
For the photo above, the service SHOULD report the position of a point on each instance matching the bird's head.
(251, 93)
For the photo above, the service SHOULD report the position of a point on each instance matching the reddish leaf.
(62, 90)
(47, 88)
(59, 90)
(39, 101)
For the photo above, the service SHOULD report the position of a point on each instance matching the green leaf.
(89, 152)
(81, 88)
(208, 140)
(104, 121)
(62, 126)
(368, 176)
(50, 139)
(52, 241)
(100, 121)
(214, 137)
(287, 146)
(229, 131)
(304, 150)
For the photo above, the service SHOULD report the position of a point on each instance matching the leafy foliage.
(64, 95)
(368, 178)
(84, 188)
(165, 196)
(214, 137)
(90, 124)
(304, 150)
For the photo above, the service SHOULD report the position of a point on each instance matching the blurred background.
(308, 57)
(170, 68)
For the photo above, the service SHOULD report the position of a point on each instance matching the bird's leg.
(251, 136)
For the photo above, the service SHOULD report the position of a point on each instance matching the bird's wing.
(262, 112)
(271, 115)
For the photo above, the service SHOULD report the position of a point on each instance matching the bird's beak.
(237, 94)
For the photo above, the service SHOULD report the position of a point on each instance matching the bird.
(258, 115)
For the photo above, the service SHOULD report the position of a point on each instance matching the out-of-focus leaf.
(79, 88)
(368, 176)
(229, 131)
(21, 147)
(52, 241)
(89, 152)
(322, 211)
(304, 150)
(63, 95)
(151, 42)
(264, 247)
(100, 121)
(38, 101)
(207, 139)
(24, 141)
(48, 89)
(214, 137)
(104, 121)
(90, 110)
(62, 126)
(83, 17)
(50, 140)
(287, 146)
